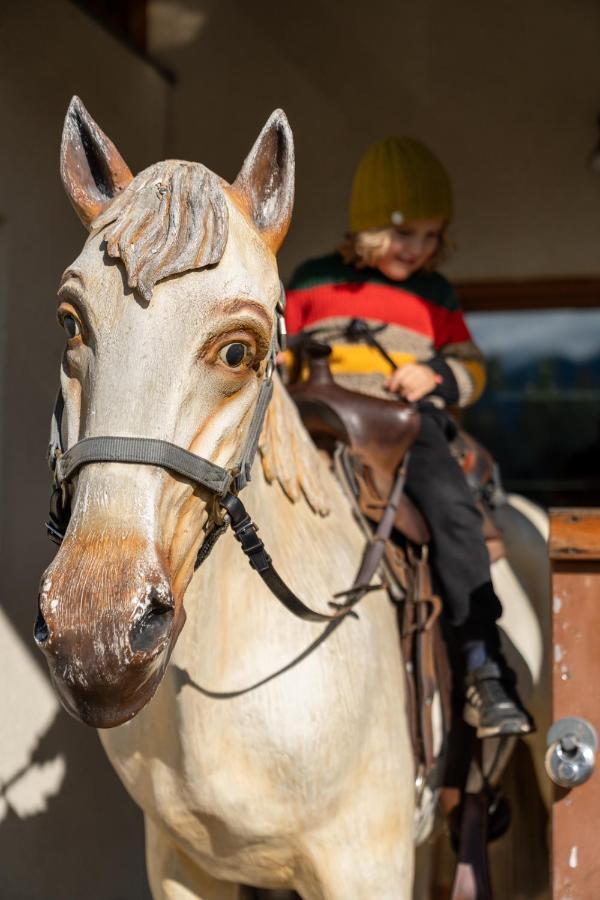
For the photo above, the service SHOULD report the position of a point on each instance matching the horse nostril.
(40, 629)
(153, 624)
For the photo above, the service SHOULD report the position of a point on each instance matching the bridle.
(224, 484)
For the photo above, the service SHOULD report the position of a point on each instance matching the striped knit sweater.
(422, 318)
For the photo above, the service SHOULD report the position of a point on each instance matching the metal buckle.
(54, 533)
(281, 332)
(54, 454)
(282, 299)
(280, 314)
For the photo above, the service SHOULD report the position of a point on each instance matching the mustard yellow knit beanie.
(398, 180)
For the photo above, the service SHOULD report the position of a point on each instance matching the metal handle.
(571, 753)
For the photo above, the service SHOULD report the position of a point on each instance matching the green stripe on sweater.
(332, 269)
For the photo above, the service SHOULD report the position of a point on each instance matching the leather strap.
(146, 451)
(150, 451)
(376, 548)
(358, 329)
(55, 445)
(245, 531)
(242, 470)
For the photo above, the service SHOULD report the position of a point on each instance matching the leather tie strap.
(245, 531)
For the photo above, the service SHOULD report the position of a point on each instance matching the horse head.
(169, 314)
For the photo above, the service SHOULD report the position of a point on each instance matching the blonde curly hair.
(364, 249)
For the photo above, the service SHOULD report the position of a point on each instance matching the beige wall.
(507, 93)
(67, 828)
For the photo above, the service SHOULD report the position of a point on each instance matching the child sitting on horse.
(384, 276)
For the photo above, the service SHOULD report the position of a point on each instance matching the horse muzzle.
(107, 622)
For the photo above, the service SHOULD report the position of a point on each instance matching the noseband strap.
(145, 451)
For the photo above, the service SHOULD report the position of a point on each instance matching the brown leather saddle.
(380, 433)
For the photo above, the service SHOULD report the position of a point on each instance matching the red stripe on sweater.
(376, 302)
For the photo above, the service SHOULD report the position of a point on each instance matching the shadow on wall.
(68, 829)
(56, 789)
(43, 862)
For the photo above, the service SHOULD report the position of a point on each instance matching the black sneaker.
(492, 705)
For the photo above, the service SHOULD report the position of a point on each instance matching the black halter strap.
(223, 483)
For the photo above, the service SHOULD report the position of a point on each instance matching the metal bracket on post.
(571, 754)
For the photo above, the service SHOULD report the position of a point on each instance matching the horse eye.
(233, 355)
(71, 325)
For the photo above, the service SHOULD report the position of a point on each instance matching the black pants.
(459, 556)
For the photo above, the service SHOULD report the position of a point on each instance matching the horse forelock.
(173, 217)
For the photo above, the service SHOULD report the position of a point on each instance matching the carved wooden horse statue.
(257, 761)
(275, 751)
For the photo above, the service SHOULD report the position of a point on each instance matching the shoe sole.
(506, 729)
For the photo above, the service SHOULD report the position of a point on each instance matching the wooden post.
(575, 561)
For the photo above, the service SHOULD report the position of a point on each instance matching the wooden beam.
(575, 534)
(555, 293)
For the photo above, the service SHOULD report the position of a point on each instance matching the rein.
(224, 484)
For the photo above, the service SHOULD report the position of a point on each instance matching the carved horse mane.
(170, 219)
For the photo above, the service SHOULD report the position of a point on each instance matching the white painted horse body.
(305, 781)
(256, 762)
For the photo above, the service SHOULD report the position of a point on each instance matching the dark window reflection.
(540, 413)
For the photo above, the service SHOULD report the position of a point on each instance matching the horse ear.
(265, 184)
(92, 169)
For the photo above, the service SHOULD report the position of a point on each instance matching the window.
(540, 413)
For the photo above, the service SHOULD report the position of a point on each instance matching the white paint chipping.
(556, 605)
(558, 654)
(573, 857)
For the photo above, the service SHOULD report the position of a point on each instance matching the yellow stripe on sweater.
(356, 359)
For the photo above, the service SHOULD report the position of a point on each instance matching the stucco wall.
(507, 93)
(67, 828)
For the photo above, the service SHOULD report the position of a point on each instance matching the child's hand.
(413, 381)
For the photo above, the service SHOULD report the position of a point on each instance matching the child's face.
(411, 246)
